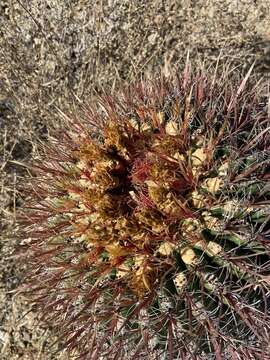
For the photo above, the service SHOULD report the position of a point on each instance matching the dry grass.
(58, 54)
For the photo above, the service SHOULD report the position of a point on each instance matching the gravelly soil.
(58, 54)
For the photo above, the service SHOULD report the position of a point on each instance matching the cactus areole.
(148, 223)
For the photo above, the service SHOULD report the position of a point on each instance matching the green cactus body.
(149, 225)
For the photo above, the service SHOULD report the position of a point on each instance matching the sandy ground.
(57, 54)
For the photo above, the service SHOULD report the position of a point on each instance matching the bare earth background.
(57, 53)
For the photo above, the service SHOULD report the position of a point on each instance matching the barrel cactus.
(147, 223)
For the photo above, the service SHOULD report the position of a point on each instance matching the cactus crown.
(149, 224)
